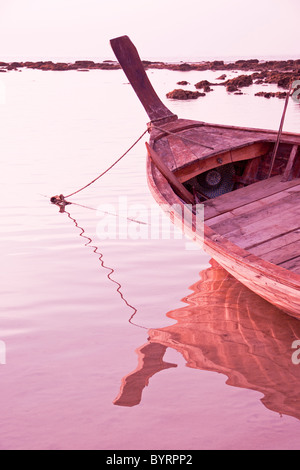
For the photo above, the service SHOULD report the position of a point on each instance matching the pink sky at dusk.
(51, 29)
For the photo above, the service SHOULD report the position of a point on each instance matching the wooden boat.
(223, 327)
(247, 180)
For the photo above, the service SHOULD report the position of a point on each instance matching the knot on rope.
(59, 201)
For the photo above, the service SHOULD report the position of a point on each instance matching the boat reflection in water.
(225, 328)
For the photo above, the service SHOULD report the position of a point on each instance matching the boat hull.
(277, 285)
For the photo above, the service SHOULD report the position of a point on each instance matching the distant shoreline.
(289, 65)
(279, 72)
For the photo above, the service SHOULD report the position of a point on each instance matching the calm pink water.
(68, 338)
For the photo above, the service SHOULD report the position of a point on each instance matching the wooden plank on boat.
(179, 125)
(162, 147)
(283, 253)
(189, 165)
(180, 151)
(261, 231)
(266, 134)
(250, 152)
(275, 243)
(280, 204)
(239, 211)
(287, 176)
(200, 165)
(243, 196)
(184, 155)
(249, 175)
(170, 177)
(218, 139)
(292, 265)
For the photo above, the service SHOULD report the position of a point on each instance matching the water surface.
(79, 312)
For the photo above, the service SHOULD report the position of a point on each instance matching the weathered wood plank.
(289, 168)
(275, 243)
(268, 133)
(261, 231)
(260, 213)
(227, 131)
(292, 265)
(283, 253)
(198, 166)
(178, 187)
(249, 175)
(250, 152)
(159, 132)
(256, 205)
(181, 152)
(162, 147)
(243, 196)
(190, 163)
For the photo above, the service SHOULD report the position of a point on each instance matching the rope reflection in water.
(108, 268)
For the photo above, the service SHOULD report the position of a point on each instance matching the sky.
(161, 29)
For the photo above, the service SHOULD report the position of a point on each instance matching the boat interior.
(258, 211)
(247, 179)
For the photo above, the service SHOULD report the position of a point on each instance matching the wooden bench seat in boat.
(263, 218)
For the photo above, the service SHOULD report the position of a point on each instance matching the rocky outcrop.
(204, 85)
(179, 94)
(234, 85)
(280, 73)
(243, 65)
(281, 79)
(265, 68)
(61, 66)
(239, 82)
(267, 94)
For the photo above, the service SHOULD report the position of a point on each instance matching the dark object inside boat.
(231, 176)
(214, 182)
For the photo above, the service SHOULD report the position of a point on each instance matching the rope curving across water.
(109, 168)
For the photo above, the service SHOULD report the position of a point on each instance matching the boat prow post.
(131, 63)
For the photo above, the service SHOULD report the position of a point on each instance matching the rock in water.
(180, 94)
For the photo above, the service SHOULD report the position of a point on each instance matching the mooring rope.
(110, 167)
(151, 125)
